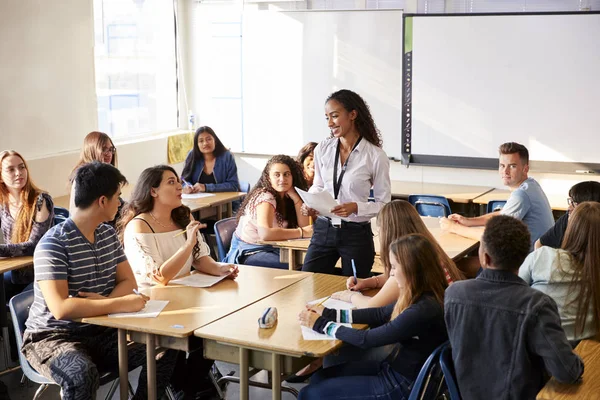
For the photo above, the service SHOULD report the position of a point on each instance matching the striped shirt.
(64, 253)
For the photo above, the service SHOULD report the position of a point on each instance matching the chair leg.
(131, 393)
(170, 393)
(112, 390)
(40, 390)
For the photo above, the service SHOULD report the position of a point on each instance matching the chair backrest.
(430, 205)
(19, 311)
(60, 214)
(224, 232)
(495, 205)
(449, 375)
(244, 186)
(430, 381)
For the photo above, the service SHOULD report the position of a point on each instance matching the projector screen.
(481, 80)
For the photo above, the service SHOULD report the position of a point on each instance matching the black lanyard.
(337, 182)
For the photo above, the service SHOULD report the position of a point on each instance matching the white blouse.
(146, 252)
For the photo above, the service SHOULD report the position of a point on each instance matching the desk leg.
(276, 376)
(151, 365)
(229, 211)
(123, 365)
(244, 389)
(291, 259)
(219, 212)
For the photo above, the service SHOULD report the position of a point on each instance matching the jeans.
(357, 380)
(348, 353)
(351, 241)
(269, 259)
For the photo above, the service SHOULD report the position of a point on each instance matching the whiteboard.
(480, 81)
(292, 61)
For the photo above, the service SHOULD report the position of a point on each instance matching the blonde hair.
(29, 194)
(421, 269)
(399, 218)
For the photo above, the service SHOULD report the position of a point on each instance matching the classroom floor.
(17, 391)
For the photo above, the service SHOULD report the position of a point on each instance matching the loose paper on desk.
(194, 196)
(320, 201)
(198, 279)
(151, 310)
(309, 334)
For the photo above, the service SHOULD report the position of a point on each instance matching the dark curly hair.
(285, 205)
(196, 155)
(364, 120)
(141, 201)
(506, 241)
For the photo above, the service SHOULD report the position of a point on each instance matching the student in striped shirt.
(81, 271)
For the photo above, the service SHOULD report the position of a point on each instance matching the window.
(135, 66)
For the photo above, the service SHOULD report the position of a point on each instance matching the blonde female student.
(162, 243)
(26, 213)
(417, 313)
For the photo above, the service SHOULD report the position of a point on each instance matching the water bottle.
(191, 121)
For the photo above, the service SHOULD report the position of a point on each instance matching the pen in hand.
(354, 272)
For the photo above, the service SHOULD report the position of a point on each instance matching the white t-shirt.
(146, 252)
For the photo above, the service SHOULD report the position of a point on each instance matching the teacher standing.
(348, 165)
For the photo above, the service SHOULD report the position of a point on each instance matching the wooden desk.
(281, 349)
(456, 193)
(589, 388)
(203, 205)
(191, 308)
(293, 251)
(9, 264)
(557, 202)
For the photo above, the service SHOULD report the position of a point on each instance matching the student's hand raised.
(133, 302)
(308, 318)
(345, 210)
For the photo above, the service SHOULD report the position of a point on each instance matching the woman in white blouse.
(158, 252)
(348, 165)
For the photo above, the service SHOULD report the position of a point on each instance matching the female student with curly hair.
(26, 214)
(271, 211)
(348, 165)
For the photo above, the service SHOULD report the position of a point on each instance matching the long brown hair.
(285, 206)
(582, 242)
(399, 218)
(93, 144)
(29, 194)
(421, 268)
(141, 201)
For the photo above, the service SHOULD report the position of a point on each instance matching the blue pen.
(185, 183)
(354, 271)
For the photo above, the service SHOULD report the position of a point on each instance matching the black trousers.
(349, 241)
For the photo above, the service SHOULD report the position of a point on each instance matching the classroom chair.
(448, 370)
(60, 214)
(19, 311)
(495, 205)
(244, 186)
(224, 232)
(430, 205)
(430, 381)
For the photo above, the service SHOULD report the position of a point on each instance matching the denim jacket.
(225, 173)
(506, 338)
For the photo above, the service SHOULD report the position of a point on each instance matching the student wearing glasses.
(583, 191)
(98, 146)
(348, 165)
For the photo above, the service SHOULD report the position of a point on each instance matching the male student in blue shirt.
(81, 271)
(527, 201)
(506, 337)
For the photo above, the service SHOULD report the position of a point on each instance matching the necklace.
(160, 223)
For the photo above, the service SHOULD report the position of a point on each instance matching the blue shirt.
(530, 204)
(224, 172)
(64, 253)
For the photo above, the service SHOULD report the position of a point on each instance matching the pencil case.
(268, 318)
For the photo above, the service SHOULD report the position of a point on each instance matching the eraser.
(268, 318)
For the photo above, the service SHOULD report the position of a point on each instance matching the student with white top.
(348, 165)
(153, 226)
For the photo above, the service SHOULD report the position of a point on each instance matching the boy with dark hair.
(527, 200)
(505, 336)
(580, 192)
(81, 271)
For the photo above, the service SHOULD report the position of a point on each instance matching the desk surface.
(12, 263)
(589, 388)
(193, 308)
(454, 245)
(241, 328)
(456, 193)
(557, 202)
